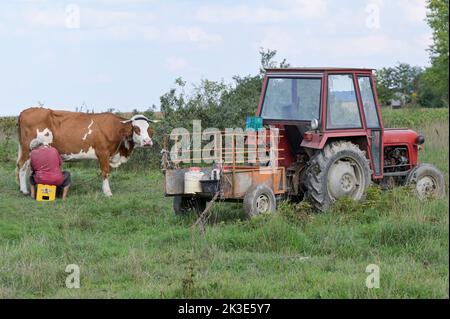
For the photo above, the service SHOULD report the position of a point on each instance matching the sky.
(124, 54)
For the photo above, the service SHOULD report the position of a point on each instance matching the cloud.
(102, 25)
(176, 63)
(240, 13)
(194, 35)
(89, 18)
(109, 18)
(100, 78)
(115, 2)
(44, 18)
(414, 10)
(424, 40)
(129, 33)
(328, 50)
(367, 45)
(279, 11)
(306, 8)
(280, 40)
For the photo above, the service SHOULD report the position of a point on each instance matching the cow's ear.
(126, 130)
(151, 132)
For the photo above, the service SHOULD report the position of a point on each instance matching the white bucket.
(192, 183)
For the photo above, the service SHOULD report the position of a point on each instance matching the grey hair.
(35, 144)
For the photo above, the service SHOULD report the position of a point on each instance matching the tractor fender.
(317, 140)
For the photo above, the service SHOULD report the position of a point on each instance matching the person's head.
(36, 143)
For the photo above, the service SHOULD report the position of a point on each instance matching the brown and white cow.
(105, 137)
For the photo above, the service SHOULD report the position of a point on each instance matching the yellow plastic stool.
(45, 193)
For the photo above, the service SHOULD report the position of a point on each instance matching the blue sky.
(125, 54)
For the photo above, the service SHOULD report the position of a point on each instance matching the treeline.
(426, 87)
(409, 85)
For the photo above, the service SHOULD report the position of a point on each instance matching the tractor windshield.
(296, 99)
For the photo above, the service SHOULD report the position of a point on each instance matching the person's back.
(46, 165)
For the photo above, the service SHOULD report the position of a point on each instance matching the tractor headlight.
(314, 124)
(420, 139)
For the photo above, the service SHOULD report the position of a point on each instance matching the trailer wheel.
(182, 205)
(427, 182)
(258, 200)
(340, 169)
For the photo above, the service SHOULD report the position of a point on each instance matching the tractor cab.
(314, 106)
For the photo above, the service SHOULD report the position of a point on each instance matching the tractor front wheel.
(341, 169)
(427, 182)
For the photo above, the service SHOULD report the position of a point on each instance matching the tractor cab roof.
(319, 70)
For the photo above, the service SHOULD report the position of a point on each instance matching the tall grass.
(413, 117)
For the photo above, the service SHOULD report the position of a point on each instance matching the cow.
(105, 137)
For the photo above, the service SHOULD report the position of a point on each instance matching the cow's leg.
(23, 165)
(104, 166)
(105, 187)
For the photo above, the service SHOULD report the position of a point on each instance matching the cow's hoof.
(108, 195)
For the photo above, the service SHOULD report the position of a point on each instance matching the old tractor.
(332, 144)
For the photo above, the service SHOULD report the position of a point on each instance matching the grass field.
(132, 245)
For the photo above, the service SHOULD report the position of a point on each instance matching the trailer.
(257, 185)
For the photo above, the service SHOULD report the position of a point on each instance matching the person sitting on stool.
(45, 163)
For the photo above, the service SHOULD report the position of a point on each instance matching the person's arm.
(32, 162)
(59, 156)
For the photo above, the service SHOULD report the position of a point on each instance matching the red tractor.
(332, 144)
(334, 139)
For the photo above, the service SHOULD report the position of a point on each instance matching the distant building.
(398, 101)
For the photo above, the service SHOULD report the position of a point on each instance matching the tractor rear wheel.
(341, 169)
(427, 182)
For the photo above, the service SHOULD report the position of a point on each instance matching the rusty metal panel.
(243, 182)
(245, 179)
(174, 180)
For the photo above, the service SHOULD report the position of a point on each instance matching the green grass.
(132, 245)
(413, 117)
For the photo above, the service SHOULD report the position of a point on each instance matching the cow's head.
(141, 131)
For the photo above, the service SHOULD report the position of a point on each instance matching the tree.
(385, 85)
(435, 82)
(268, 62)
(429, 95)
(406, 78)
(402, 78)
